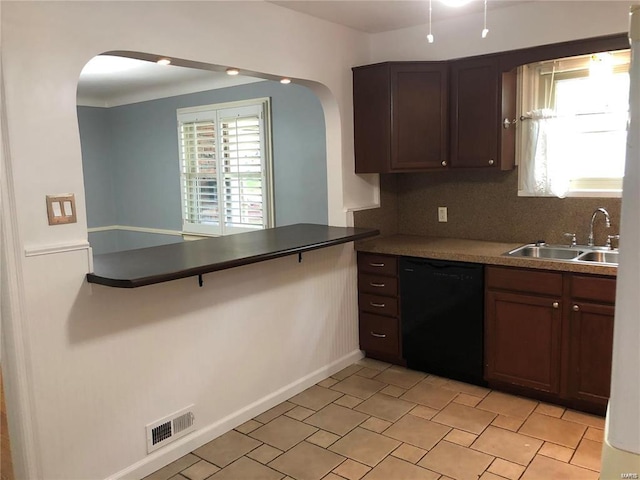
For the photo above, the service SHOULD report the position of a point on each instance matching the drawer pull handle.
(378, 335)
(556, 304)
(377, 305)
(378, 285)
(376, 264)
(576, 308)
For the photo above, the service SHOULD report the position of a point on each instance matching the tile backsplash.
(482, 205)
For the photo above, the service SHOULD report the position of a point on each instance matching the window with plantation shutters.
(225, 168)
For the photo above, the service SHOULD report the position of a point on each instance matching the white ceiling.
(108, 81)
(134, 80)
(375, 16)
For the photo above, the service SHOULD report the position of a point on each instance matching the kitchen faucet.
(593, 217)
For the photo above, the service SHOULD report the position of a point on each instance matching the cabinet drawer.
(377, 284)
(593, 288)
(379, 334)
(378, 264)
(522, 280)
(378, 304)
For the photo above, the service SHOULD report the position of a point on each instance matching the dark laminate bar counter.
(147, 266)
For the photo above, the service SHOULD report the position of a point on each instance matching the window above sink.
(572, 136)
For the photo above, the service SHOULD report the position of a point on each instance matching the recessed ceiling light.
(455, 3)
(285, 81)
(163, 61)
(232, 71)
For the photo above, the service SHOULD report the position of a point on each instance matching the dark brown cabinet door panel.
(378, 304)
(377, 284)
(372, 118)
(400, 114)
(377, 264)
(593, 289)
(419, 116)
(591, 350)
(523, 340)
(475, 113)
(379, 334)
(527, 281)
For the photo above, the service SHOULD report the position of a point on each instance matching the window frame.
(212, 112)
(532, 86)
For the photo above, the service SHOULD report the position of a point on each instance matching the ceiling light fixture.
(163, 61)
(285, 81)
(455, 3)
(430, 36)
(485, 30)
(232, 71)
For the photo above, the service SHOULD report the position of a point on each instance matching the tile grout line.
(369, 416)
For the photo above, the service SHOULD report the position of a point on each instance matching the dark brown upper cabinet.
(420, 116)
(481, 97)
(400, 116)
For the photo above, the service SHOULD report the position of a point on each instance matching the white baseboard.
(181, 447)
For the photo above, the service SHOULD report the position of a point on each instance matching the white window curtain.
(543, 171)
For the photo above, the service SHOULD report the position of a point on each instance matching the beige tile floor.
(374, 421)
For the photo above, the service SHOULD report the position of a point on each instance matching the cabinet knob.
(491, 162)
(444, 163)
(556, 305)
(576, 308)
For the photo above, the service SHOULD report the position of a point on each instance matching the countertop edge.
(140, 281)
(488, 253)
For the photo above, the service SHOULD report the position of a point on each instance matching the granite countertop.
(473, 251)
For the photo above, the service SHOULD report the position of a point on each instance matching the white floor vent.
(170, 428)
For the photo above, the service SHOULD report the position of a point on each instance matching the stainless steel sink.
(563, 253)
(546, 251)
(600, 256)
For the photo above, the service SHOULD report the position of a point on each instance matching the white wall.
(89, 367)
(524, 24)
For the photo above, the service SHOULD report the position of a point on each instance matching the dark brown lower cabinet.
(591, 346)
(379, 325)
(549, 335)
(522, 344)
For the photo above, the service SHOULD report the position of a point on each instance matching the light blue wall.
(108, 241)
(98, 165)
(132, 172)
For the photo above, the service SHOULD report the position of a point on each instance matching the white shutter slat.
(222, 168)
(243, 152)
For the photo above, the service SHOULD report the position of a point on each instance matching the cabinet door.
(591, 347)
(475, 113)
(372, 118)
(419, 116)
(522, 340)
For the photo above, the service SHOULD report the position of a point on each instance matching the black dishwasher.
(442, 312)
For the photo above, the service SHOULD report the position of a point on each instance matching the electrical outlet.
(442, 214)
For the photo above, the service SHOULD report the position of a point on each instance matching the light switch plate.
(61, 208)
